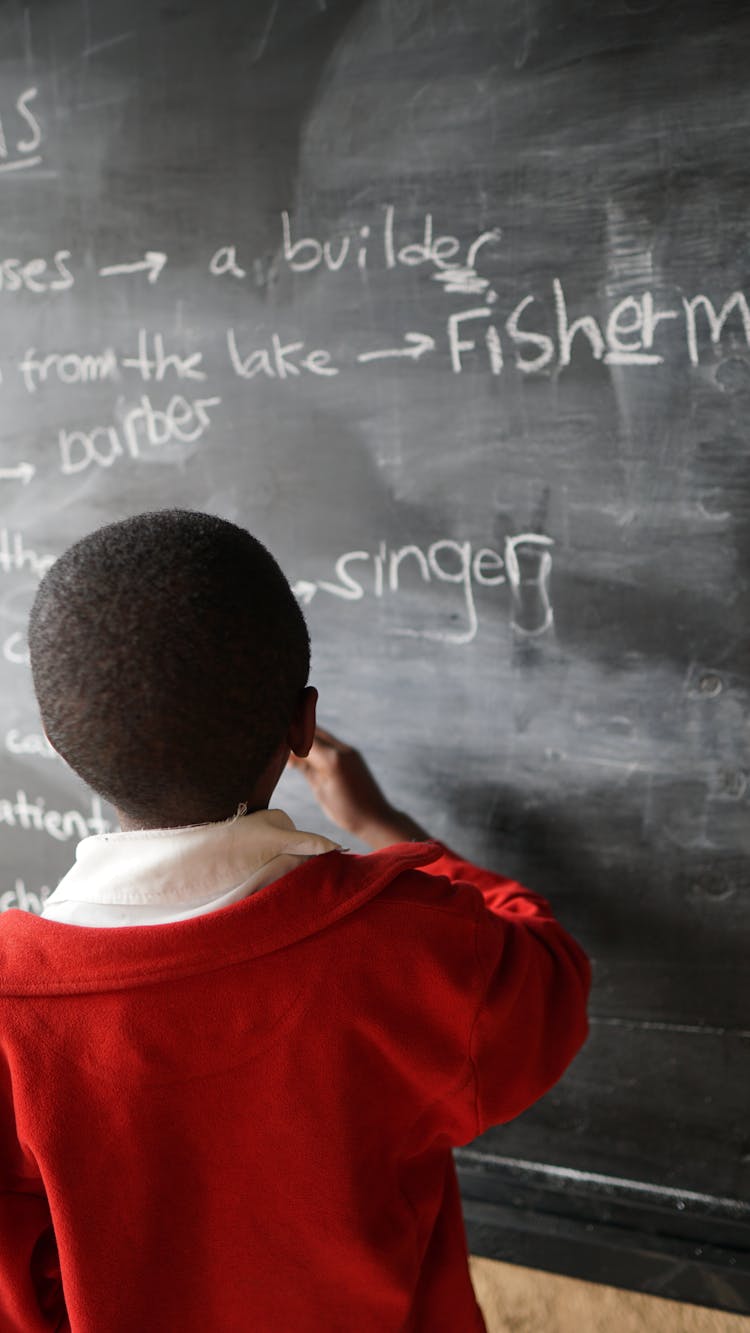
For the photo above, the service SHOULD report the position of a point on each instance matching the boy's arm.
(348, 793)
(531, 1018)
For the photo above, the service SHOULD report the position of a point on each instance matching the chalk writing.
(473, 339)
(20, 134)
(27, 900)
(23, 472)
(144, 427)
(15, 555)
(16, 650)
(525, 566)
(152, 264)
(62, 825)
(151, 361)
(29, 743)
(735, 302)
(278, 360)
(354, 248)
(37, 275)
(416, 346)
(224, 260)
(626, 338)
(545, 332)
(528, 562)
(464, 282)
(66, 367)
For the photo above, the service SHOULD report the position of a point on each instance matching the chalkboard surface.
(449, 304)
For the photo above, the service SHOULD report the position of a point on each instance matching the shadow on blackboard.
(598, 874)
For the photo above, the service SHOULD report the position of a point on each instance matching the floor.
(522, 1300)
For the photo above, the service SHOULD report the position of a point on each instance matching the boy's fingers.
(329, 760)
(320, 758)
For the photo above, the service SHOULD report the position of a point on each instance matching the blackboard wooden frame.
(661, 1243)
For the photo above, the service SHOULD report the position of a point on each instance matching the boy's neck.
(129, 824)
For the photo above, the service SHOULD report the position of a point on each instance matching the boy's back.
(242, 1117)
(245, 1120)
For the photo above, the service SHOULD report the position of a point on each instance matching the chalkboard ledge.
(600, 1229)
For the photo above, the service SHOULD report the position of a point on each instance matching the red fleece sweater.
(244, 1121)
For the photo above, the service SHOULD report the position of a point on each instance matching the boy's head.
(170, 659)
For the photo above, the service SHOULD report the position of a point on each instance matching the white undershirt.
(154, 876)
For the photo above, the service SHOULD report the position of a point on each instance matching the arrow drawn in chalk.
(152, 264)
(304, 591)
(21, 472)
(419, 343)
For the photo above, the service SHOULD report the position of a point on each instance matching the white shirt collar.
(154, 876)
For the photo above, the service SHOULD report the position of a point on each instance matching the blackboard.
(449, 304)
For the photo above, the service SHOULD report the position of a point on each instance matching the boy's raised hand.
(348, 793)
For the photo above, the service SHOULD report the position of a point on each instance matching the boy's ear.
(301, 732)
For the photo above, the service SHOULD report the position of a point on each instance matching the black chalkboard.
(449, 304)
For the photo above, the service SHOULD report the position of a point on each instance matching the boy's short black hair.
(168, 653)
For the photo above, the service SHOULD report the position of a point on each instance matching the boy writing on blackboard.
(234, 1057)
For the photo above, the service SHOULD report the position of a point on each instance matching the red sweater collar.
(40, 957)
